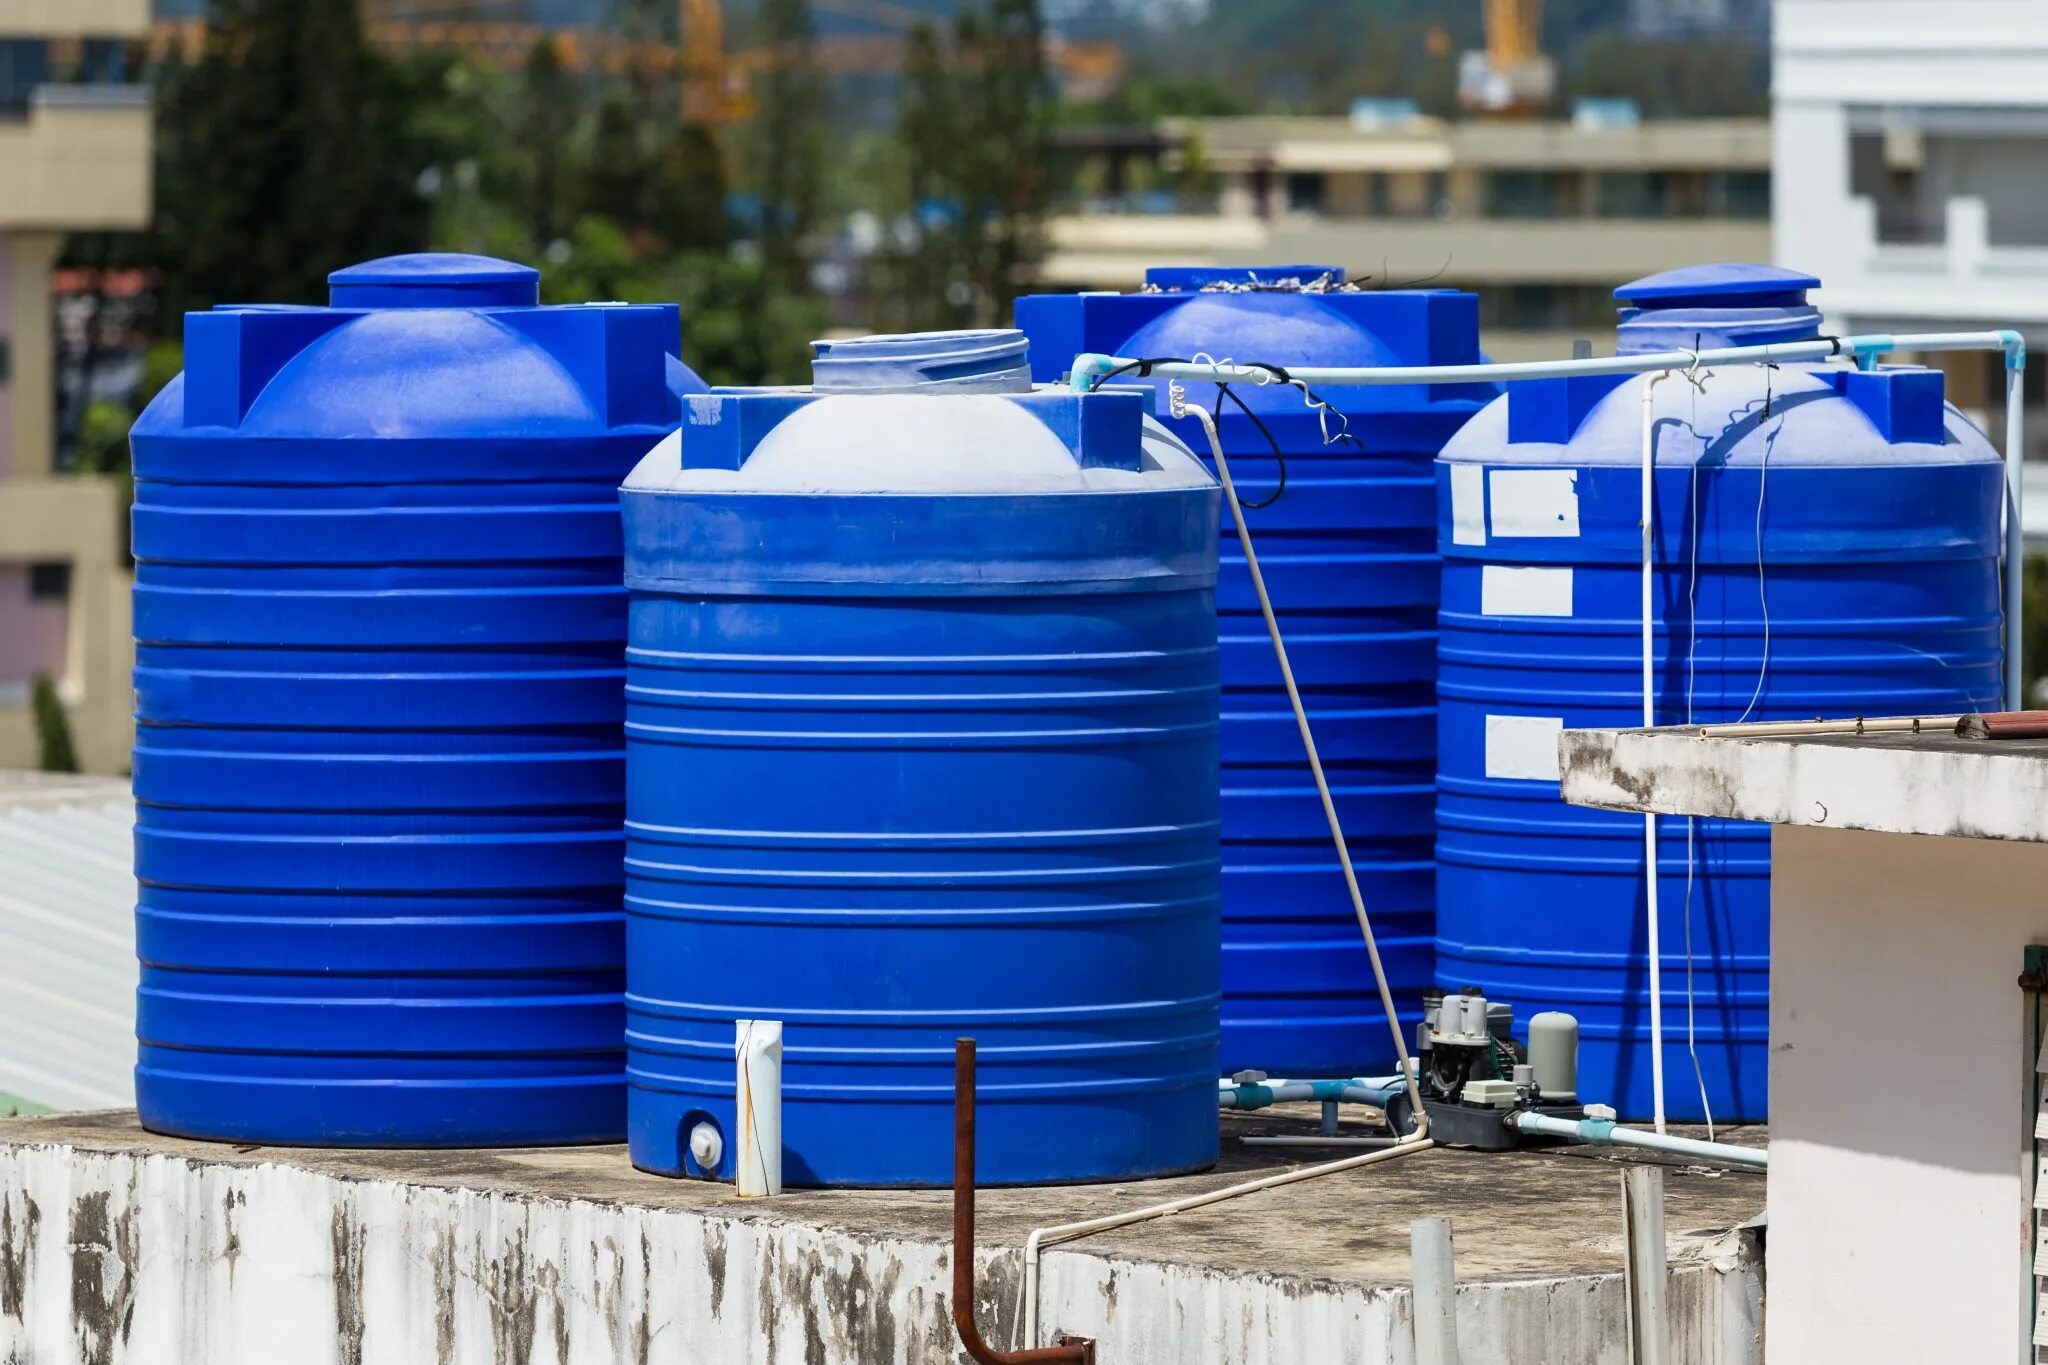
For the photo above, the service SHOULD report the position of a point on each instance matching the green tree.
(2034, 626)
(619, 170)
(1006, 173)
(786, 152)
(690, 191)
(548, 118)
(975, 171)
(288, 149)
(738, 328)
(54, 750)
(920, 277)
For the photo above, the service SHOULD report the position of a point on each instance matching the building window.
(1739, 194)
(1629, 194)
(1884, 167)
(1522, 194)
(1378, 194)
(1546, 308)
(24, 66)
(50, 581)
(1304, 192)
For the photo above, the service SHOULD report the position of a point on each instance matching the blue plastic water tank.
(1874, 591)
(921, 735)
(1349, 554)
(379, 769)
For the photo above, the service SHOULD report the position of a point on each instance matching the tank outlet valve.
(707, 1149)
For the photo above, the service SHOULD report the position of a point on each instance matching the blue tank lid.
(435, 279)
(1729, 304)
(1188, 278)
(994, 360)
(425, 346)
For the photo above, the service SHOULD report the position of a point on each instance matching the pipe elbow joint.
(1086, 367)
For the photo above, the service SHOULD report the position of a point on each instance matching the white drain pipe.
(1607, 1133)
(757, 1145)
(1656, 944)
(2015, 533)
(1041, 1238)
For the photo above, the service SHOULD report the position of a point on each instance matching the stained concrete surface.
(172, 1250)
(1553, 1211)
(1893, 783)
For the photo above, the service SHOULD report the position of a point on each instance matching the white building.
(1666, 19)
(1910, 146)
(74, 157)
(1542, 218)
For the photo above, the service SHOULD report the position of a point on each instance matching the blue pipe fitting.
(1868, 348)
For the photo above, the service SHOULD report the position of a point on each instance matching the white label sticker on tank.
(1468, 504)
(1523, 747)
(1508, 591)
(1535, 502)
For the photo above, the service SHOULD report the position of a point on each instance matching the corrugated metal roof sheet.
(67, 940)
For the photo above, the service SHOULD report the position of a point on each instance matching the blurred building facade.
(1911, 144)
(1667, 19)
(74, 156)
(1542, 218)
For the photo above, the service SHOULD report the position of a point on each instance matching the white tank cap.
(707, 1147)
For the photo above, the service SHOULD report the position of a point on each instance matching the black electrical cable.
(1223, 391)
(1143, 369)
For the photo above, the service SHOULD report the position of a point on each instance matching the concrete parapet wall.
(141, 1258)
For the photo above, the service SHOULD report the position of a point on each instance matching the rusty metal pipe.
(2005, 725)
(1071, 1350)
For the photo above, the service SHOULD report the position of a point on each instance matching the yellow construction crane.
(713, 90)
(1512, 75)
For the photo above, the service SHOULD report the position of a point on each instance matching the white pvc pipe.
(1656, 944)
(1606, 1133)
(1087, 368)
(1649, 1271)
(757, 1150)
(1860, 725)
(1436, 1291)
(1041, 1238)
(2015, 531)
(1316, 1140)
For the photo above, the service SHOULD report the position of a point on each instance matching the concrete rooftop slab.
(216, 1245)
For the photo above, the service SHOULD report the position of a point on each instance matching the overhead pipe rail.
(1864, 350)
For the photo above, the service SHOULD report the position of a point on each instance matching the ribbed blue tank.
(921, 735)
(378, 763)
(1349, 553)
(1827, 544)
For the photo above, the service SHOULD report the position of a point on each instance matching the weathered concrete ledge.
(121, 1246)
(1896, 783)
